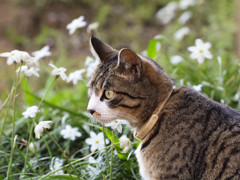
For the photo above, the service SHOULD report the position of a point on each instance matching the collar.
(147, 127)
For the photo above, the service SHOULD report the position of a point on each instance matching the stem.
(13, 121)
(5, 117)
(74, 162)
(64, 154)
(47, 146)
(34, 121)
(21, 154)
(112, 145)
(104, 136)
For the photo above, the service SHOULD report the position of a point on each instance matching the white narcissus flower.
(31, 62)
(55, 164)
(96, 141)
(75, 24)
(116, 124)
(185, 17)
(70, 133)
(30, 112)
(236, 97)
(200, 51)
(176, 59)
(40, 128)
(91, 27)
(17, 56)
(34, 146)
(89, 60)
(59, 72)
(91, 65)
(29, 71)
(42, 53)
(124, 143)
(184, 4)
(197, 87)
(166, 14)
(179, 34)
(76, 76)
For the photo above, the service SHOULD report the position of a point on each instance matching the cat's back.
(197, 138)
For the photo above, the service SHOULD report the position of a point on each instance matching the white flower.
(75, 24)
(116, 124)
(29, 71)
(70, 133)
(185, 17)
(31, 62)
(200, 51)
(179, 35)
(40, 128)
(125, 143)
(176, 59)
(16, 56)
(59, 72)
(91, 27)
(95, 161)
(96, 141)
(30, 112)
(34, 146)
(184, 4)
(76, 76)
(197, 87)
(89, 60)
(166, 14)
(42, 53)
(66, 115)
(236, 97)
(91, 66)
(55, 164)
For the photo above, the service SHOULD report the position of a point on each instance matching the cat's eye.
(109, 94)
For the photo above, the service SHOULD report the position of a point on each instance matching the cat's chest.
(149, 163)
(142, 168)
(159, 160)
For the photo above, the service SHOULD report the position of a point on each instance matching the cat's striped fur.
(194, 137)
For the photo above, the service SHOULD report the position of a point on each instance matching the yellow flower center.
(201, 51)
(97, 141)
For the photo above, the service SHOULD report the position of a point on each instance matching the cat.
(184, 135)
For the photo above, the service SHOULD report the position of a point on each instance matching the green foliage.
(212, 21)
(46, 32)
(14, 37)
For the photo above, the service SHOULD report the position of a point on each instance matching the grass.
(65, 104)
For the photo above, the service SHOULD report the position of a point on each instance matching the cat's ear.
(129, 63)
(103, 51)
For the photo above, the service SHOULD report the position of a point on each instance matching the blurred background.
(29, 25)
(161, 29)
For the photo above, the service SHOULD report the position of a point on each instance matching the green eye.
(109, 94)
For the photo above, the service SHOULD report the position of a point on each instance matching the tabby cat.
(184, 135)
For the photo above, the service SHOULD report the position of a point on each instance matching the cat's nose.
(91, 111)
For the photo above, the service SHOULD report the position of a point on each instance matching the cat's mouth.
(101, 118)
(96, 115)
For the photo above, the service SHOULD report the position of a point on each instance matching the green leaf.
(63, 176)
(152, 47)
(116, 146)
(29, 100)
(58, 107)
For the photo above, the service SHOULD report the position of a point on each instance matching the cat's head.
(125, 85)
